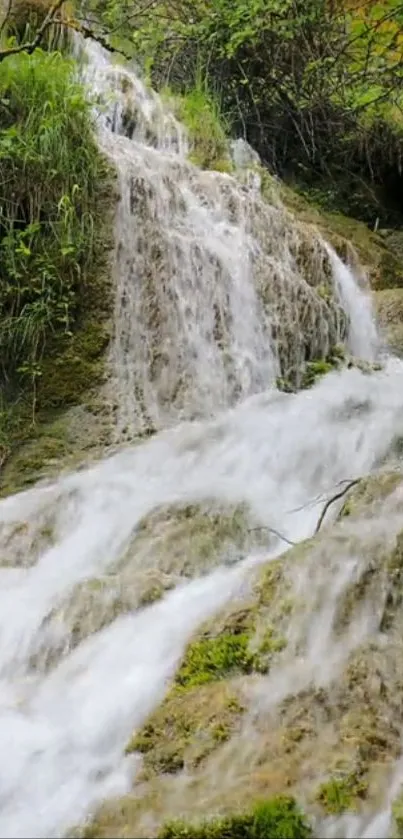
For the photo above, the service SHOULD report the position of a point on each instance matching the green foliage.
(214, 658)
(52, 201)
(315, 87)
(278, 818)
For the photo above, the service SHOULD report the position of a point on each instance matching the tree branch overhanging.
(51, 18)
(31, 46)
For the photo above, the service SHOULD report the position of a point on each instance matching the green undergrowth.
(55, 291)
(278, 818)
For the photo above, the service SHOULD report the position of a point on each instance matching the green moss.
(278, 818)
(340, 794)
(215, 658)
(314, 370)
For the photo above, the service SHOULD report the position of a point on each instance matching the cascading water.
(217, 291)
(212, 298)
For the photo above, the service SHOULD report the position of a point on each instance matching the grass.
(200, 111)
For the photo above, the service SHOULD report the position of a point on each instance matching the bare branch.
(275, 532)
(335, 498)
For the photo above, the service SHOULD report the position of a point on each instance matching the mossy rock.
(185, 538)
(389, 309)
(23, 543)
(58, 441)
(348, 235)
(25, 16)
(279, 817)
(171, 543)
(72, 372)
(339, 794)
(187, 728)
(370, 491)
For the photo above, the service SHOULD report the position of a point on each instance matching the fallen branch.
(87, 32)
(335, 498)
(275, 532)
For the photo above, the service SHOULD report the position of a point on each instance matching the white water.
(63, 730)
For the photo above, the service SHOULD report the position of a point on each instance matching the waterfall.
(217, 293)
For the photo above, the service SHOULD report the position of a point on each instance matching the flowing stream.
(191, 250)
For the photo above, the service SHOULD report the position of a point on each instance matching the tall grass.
(200, 110)
(52, 193)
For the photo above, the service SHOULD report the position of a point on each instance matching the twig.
(335, 498)
(318, 498)
(276, 533)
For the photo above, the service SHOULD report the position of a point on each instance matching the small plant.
(277, 818)
(340, 794)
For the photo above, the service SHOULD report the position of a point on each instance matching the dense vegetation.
(54, 189)
(315, 86)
